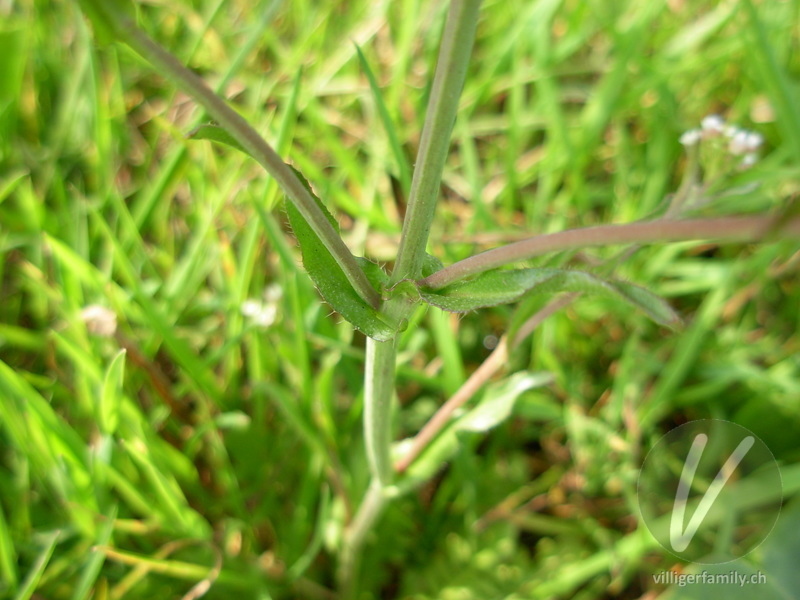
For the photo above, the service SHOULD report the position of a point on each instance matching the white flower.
(730, 130)
(744, 141)
(690, 138)
(712, 125)
(263, 313)
(259, 313)
(251, 308)
(739, 144)
(754, 141)
(99, 320)
(749, 160)
(273, 293)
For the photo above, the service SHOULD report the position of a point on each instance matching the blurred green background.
(223, 446)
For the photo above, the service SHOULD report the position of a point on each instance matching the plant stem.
(451, 70)
(171, 68)
(723, 229)
(355, 537)
(378, 389)
(379, 385)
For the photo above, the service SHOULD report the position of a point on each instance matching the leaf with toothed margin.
(331, 280)
(320, 264)
(505, 286)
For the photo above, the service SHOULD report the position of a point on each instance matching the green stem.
(451, 70)
(369, 511)
(723, 229)
(171, 68)
(378, 389)
(380, 366)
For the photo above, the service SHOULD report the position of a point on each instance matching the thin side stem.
(171, 68)
(723, 229)
(442, 417)
(494, 363)
(451, 70)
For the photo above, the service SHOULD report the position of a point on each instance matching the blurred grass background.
(201, 442)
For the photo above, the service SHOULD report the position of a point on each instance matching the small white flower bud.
(690, 138)
(712, 125)
(754, 141)
(99, 320)
(250, 308)
(273, 293)
(730, 131)
(259, 313)
(749, 160)
(739, 145)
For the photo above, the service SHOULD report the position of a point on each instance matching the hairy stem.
(378, 389)
(171, 68)
(723, 229)
(379, 377)
(380, 365)
(356, 535)
(451, 70)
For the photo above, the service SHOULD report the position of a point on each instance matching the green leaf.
(528, 306)
(322, 267)
(91, 570)
(781, 549)
(375, 275)
(111, 396)
(8, 556)
(394, 141)
(215, 133)
(9, 183)
(331, 280)
(430, 264)
(505, 286)
(499, 400)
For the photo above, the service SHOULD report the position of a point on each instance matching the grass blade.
(95, 562)
(775, 79)
(114, 18)
(32, 580)
(394, 142)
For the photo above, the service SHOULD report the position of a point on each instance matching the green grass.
(215, 441)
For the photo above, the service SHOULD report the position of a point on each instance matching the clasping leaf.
(504, 286)
(322, 267)
(331, 280)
